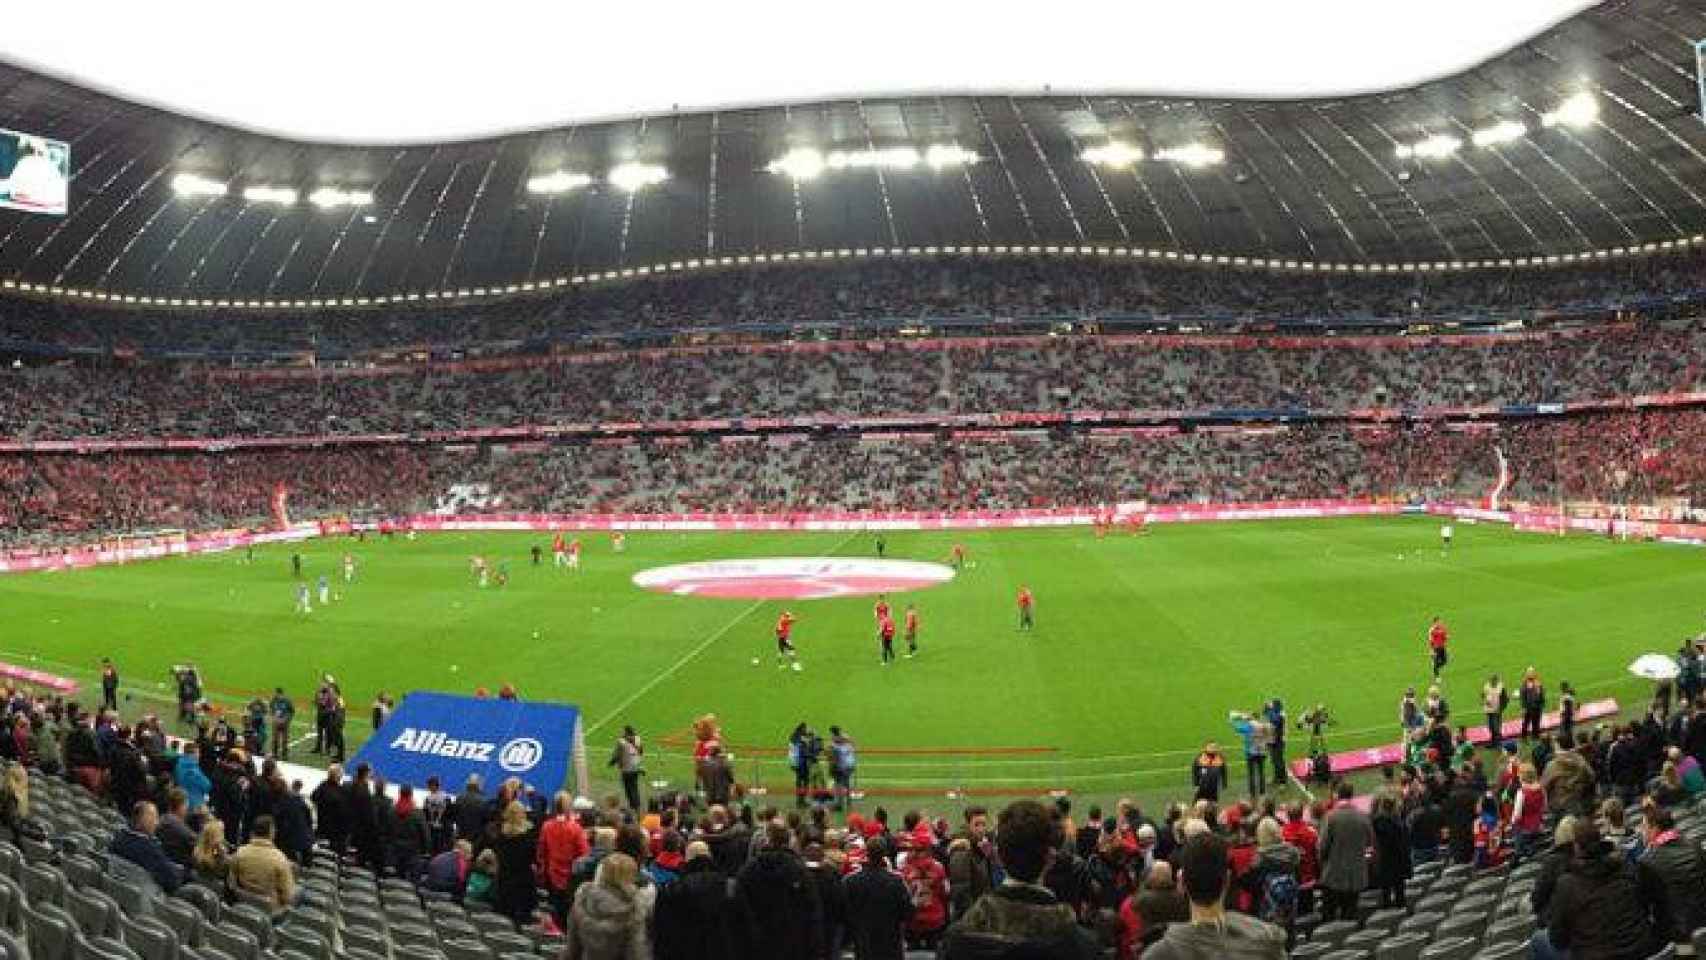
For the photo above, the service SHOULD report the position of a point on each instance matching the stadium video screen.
(35, 173)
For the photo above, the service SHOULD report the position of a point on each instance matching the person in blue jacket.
(189, 776)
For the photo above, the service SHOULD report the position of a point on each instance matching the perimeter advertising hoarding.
(35, 173)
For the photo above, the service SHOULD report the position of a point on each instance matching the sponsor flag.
(452, 737)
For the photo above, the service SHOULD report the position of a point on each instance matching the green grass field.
(1141, 647)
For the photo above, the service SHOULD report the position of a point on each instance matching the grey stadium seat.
(50, 933)
(1449, 948)
(1504, 951)
(1421, 922)
(183, 919)
(95, 913)
(150, 938)
(1303, 951)
(232, 940)
(1332, 933)
(1402, 946)
(304, 941)
(44, 884)
(103, 948)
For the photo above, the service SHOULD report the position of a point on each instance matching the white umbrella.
(1655, 666)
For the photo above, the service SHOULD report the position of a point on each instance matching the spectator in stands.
(137, 844)
(481, 887)
(775, 912)
(1391, 850)
(174, 832)
(927, 886)
(364, 819)
(409, 839)
(295, 825)
(1346, 837)
(515, 847)
(1666, 789)
(1021, 911)
(470, 811)
(1303, 837)
(1213, 931)
(607, 921)
(970, 867)
(1145, 914)
(448, 872)
(260, 868)
(1600, 910)
(14, 799)
(1674, 873)
(332, 810)
(878, 906)
(211, 860)
(561, 843)
(189, 776)
(1272, 880)
(690, 921)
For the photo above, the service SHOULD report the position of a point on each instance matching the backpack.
(1278, 902)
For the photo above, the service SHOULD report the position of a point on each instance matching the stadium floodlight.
(800, 163)
(637, 176)
(893, 158)
(558, 181)
(333, 197)
(1192, 155)
(262, 194)
(1502, 132)
(1437, 147)
(190, 185)
(948, 155)
(1578, 111)
(1114, 153)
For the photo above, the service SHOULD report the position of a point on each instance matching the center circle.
(792, 578)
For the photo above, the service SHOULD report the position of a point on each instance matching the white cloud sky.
(383, 71)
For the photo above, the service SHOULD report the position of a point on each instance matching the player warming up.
(575, 554)
(785, 654)
(559, 551)
(618, 542)
(1444, 538)
(885, 634)
(1437, 638)
(959, 556)
(302, 604)
(911, 631)
(1027, 605)
(349, 568)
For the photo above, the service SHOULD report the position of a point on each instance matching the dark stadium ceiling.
(1317, 181)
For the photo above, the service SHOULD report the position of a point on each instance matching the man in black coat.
(295, 834)
(1601, 908)
(1675, 870)
(469, 813)
(690, 920)
(137, 844)
(878, 907)
(331, 810)
(1460, 804)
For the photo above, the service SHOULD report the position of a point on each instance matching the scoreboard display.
(35, 173)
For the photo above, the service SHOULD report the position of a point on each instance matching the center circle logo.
(792, 578)
(521, 755)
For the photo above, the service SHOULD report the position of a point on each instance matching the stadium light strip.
(333, 197)
(558, 181)
(262, 194)
(1267, 264)
(191, 185)
(633, 177)
(806, 163)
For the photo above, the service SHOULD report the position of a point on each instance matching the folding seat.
(410, 936)
(203, 899)
(103, 948)
(95, 913)
(303, 941)
(232, 941)
(12, 948)
(44, 884)
(1510, 929)
(1365, 940)
(475, 950)
(1344, 954)
(1303, 951)
(508, 942)
(183, 918)
(11, 861)
(150, 938)
(366, 940)
(1505, 951)
(1422, 922)
(253, 919)
(1385, 920)
(11, 905)
(1469, 925)
(49, 933)
(82, 871)
(1449, 948)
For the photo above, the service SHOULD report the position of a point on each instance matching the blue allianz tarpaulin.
(452, 737)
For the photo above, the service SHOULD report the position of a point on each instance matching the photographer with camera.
(188, 681)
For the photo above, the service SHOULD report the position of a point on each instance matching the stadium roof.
(1585, 137)
(516, 66)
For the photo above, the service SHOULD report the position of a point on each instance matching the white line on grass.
(675, 667)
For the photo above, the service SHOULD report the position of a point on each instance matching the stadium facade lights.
(633, 177)
(557, 181)
(1502, 132)
(191, 185)
(889, 158)
(800, 163)
(333, 197)
(1192, 155)
(263, 194)
(1436, 147)
(1578, 111)
(1114, 153)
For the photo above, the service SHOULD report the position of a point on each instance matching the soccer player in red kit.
(559, 551)
(881, 611)
(784, 641)
(1437, 637)
(885, 632)
(959, 556)
(1026, 602)
(575, 554)
(911, 631)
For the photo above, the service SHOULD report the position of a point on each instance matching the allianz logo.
(516, 756)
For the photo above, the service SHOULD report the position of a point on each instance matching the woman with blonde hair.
(14, 798)
(210, 859)
(1667, 789)
(516, 845)
(606, 921)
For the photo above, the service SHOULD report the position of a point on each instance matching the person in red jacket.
(1437, 637)
(561, 843)
(1301, 835)
(1026, 603)
(927, 882)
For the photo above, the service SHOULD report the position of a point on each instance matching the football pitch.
(1141, 645)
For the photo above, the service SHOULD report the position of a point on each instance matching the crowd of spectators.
(1604, 824)
(1623, 457)
(853, 291)
(856, 378)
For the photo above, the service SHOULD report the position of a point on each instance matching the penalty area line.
(675, 667)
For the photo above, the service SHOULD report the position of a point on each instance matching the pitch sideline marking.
(675, 667)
